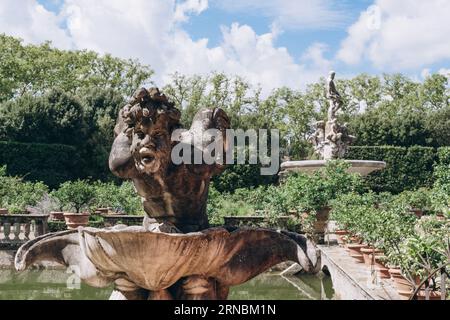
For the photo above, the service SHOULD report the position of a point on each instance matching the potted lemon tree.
(75, 198)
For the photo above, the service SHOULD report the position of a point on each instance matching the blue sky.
(270, 43)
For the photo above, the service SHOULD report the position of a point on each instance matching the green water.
(52, 285)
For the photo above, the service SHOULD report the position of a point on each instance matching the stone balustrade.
(129, 220)
(16, 229)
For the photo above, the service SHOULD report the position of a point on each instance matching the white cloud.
(151, 32)
(189, 6)
(399, 35)
(299, 14)
(425, 73)
(444, 72)
(252, 56)
(32, 22)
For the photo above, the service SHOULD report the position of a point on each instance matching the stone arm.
(121, 162)
(201, 136)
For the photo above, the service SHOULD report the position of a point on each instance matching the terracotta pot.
(402, 285)
(340, 236)
(404, 294)
(102, 211)
(355, 251)
(355, 247)
(75, 220)
(57, 216)
(321, 222)
(432, 295)
(341, 240)
(417, 212)
(381, 268)
(3, 211)
(355, 239)
(369, 253)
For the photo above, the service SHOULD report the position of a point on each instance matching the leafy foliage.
(75, 195)
(17, 195)
(51, 163)
(407, 168)
(415, 245)
(35, 69)
(122, 199)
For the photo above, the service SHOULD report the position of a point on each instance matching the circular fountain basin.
(363, 167)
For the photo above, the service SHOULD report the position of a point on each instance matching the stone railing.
(256, 221)
(16, 229)
(113, 219)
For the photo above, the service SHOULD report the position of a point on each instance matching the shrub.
(56, 226)
(55, 118)
(418, 199)
(228, 204)
(106, 195)
(442, 170)
(17, 195)
(75, 195)
(241, 176)
(426, 249)
(50, 163)
(417, 246)
(129, 201)
(313, 192)
(407, 168)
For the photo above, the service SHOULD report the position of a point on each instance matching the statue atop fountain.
(331, 139)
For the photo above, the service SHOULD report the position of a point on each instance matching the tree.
(35, 69)
(55, 117)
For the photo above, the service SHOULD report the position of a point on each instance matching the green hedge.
(444, 156)
(241, 176)
(407, 168)
(49, 163)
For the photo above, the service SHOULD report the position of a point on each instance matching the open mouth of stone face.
(147, 156)
(147, 159)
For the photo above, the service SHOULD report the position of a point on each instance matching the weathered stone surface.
(187, 266)
(142, 152)
(331, 139)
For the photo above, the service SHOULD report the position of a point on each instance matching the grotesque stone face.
(151, 145)
(142, 150)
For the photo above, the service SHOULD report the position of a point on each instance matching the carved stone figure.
(173, 255)
(141, 151)
(331, 140)
(318, 137)
(334, 98)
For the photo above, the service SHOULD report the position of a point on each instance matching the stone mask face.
(151, 145)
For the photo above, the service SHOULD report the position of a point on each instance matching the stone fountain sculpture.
(331, 140)
(174, 255)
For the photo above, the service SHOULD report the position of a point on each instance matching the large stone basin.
(363, 167)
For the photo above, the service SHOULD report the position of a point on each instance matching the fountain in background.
(174, 255)
(331, 141)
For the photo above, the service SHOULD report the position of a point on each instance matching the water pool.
(62, 285)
